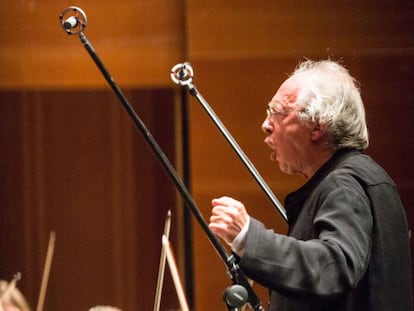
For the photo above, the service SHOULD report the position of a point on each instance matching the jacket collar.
(295, 200)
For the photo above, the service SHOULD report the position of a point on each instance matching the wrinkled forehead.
(288, 92)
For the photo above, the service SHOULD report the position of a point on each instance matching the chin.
(284, 169)
(287, 170)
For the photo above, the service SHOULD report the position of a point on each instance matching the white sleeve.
(238, 243)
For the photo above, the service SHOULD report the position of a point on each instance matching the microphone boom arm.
(234, 270)
(182, 74)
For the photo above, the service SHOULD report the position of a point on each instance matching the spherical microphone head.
(182, 74)
(73, 20)
(235, 296)
(70, 23)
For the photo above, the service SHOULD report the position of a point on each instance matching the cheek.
(282, 134)
(300, 139)
(291, 138)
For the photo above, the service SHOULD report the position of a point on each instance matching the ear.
(318, 131)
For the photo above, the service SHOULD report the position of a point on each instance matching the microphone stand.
(79, 21)
(182, 74)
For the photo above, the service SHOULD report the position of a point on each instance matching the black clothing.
(347, 247)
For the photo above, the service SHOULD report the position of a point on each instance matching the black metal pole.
(235, 272)
(182, 74)
(242, 156)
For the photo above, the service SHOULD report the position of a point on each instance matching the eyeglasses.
(273, 114)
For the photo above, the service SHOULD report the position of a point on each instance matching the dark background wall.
(73, 162)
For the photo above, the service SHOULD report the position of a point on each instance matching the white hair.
(331, 96)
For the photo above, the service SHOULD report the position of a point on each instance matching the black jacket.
(347, 247)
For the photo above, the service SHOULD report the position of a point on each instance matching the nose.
(267, 126)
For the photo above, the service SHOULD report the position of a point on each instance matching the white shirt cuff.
(238, 243)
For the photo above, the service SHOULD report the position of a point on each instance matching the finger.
(220, 231)
(224, 200)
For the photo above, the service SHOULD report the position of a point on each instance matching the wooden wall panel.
(270, 29)
(139, 42)
(241, 54)
(74, 163)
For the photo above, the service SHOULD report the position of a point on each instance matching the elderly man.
(347, 246)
